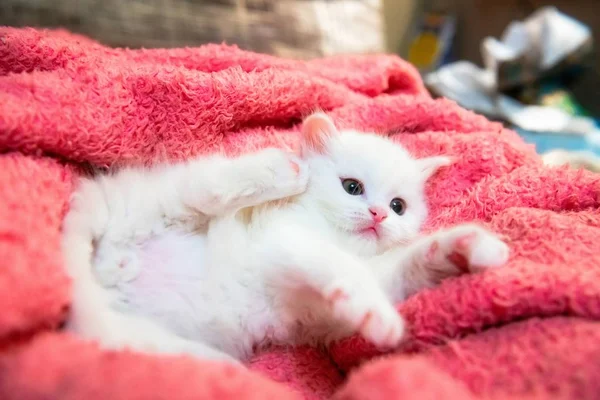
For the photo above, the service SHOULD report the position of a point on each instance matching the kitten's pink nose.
(378, 213)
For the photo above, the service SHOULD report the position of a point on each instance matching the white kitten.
(216, 256)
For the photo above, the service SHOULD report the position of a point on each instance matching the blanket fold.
(528, 330)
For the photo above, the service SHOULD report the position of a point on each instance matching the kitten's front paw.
(283, 174)
(367, 312)
(470, 248)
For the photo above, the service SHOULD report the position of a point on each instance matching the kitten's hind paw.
(280, 174)
(115, 263)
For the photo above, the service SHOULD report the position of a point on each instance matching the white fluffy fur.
(216, 256)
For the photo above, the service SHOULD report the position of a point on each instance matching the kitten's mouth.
(370, 231)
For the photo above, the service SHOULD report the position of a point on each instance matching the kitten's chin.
(367, 242)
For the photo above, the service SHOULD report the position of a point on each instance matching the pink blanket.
(525, 331)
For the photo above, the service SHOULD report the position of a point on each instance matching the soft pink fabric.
(526, 331)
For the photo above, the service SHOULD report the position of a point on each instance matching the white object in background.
(576, 159)
(465, 83)
(561, 35)
(473, 88)
(514, 45)
(539, 42)
(542, 40)
(542, 118)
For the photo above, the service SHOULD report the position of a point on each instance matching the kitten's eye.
(398, 206)
(353, 187)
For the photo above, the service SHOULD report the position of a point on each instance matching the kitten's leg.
(215, 186)
(128, 207)
(462, 249)
(343, 284)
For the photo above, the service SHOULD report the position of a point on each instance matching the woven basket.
(292, 28)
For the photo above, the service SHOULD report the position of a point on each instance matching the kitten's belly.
(169, 287)
(201, 288)
(171, 256)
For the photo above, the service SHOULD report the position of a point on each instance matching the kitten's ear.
(430, 165)
(316, 130)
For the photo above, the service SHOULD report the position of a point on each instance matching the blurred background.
(529, 63)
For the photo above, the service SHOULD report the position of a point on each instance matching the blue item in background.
(545, 142)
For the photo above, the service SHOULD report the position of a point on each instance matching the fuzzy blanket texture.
(68, 104)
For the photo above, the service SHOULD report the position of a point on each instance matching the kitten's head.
(365, 185)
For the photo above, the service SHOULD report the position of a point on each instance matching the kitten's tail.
(90, 314)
